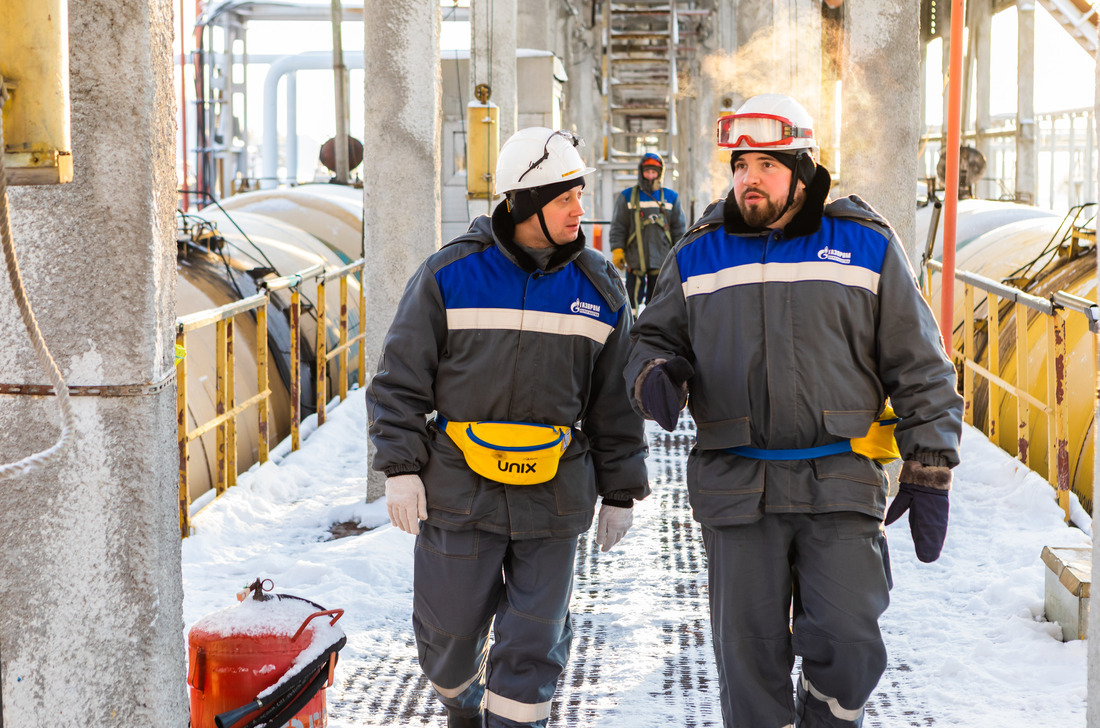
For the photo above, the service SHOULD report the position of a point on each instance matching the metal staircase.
(1079, 18)
(639, 84)
(641, 54)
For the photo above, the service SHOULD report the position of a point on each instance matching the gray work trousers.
(836, 568)
(462, 580)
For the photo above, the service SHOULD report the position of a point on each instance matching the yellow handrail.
(1056, 310)
(227, 409)
(225, 421)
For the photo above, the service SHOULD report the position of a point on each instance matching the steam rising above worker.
(515, 336)
(646, 221)
(786, 321)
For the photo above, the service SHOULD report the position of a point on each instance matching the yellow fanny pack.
(879, 444)
(515, 453)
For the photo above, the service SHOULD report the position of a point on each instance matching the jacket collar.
(806, 222)
(504, 229)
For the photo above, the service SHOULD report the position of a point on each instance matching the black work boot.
(456, 719)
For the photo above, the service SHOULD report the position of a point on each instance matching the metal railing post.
(295, 366)
(993, 349)
(320, 387)
(219, 410)
(262, 384)
(968, 350)
(181, 428)
(342, 364)
(362, 327)
(231, 402)
(1060, 451)
(1023, 409)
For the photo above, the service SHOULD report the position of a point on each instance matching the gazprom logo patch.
(837, 256)
(588, 309)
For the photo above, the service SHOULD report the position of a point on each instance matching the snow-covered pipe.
(312, 60)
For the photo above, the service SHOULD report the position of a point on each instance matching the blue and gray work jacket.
(798, 337)
(481, 333)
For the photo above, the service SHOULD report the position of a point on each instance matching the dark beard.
(760, 215)
(650, 185)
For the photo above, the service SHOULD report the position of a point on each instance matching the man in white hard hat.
(515, 336)
(789, 320)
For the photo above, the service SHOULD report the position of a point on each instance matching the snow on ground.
(969, 627)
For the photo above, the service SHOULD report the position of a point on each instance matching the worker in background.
(646, 221)
(786, 320)
(515, 336)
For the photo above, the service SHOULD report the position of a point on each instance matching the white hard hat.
(768, 123)
(537, 156)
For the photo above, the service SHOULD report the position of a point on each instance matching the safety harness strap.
(636, 235)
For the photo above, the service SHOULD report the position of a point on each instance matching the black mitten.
(662, 394)
(928, 509)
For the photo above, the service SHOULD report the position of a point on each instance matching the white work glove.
(406, 502)
(613, 525)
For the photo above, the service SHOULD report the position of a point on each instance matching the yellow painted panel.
(34, 56)
(482, 144)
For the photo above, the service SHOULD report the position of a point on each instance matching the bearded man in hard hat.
(515, 335)
(646, 221)
(786, 321)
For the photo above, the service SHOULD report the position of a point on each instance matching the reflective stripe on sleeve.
(514, 710)
(511, 319)
(741, 275)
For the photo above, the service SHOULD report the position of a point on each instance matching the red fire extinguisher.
(263, 662)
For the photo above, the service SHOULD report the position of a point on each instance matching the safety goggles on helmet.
(569, 136)
(763, 131)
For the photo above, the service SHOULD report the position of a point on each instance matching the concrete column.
(1027, 155)
(401, 186)
(535, 24)
(880, 106)
(493, 57)
(982, 28)
(91, 619)
(1092, 712)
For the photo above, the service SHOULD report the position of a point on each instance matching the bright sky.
(967, 630)
(1065, 74)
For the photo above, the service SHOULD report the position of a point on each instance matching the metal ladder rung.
(624, 109)
(636, 34)
(640, 84)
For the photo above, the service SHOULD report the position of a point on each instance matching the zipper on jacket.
(522, 321)
(773, 237)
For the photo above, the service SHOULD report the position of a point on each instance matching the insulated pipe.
(292, 127)
(951, 184)
(313, 60)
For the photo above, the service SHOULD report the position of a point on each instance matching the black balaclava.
(800, 162)
(525, 203)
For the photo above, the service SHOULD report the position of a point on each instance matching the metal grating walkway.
(641, 649)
